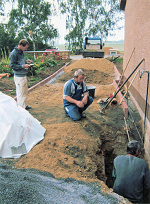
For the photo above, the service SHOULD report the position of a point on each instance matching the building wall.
(137, 47)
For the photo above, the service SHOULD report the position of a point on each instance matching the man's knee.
(73, 113)
(75, 116)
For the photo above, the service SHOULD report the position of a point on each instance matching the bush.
(41, 64)
(4, 68)
(4, 64)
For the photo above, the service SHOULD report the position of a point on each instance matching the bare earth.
(83, 150)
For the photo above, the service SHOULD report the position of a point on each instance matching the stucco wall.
(137, 38)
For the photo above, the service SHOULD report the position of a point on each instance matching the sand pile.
(99, 64)
(99, 71)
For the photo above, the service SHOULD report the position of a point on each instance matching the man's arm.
(86, 94)
(14, 63)
(85, 98)
(80, 104)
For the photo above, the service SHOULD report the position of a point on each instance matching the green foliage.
(90, 18)
(4, 64)
(28, 56)
(41, 65)
(30, 21)
(4, 68)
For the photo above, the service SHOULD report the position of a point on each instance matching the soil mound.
(96, 70)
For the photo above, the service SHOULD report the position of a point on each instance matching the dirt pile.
(98, 71)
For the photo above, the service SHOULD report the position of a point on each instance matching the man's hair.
(78, 72)
(23, 42)
(133, 146)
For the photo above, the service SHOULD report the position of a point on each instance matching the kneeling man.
(76, 98)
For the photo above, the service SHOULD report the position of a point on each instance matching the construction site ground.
(83, 150)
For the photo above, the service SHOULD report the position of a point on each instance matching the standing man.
(76, 98)
(131, 175)
(20, 67)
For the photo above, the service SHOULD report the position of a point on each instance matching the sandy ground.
(83, 150)
(77, 149)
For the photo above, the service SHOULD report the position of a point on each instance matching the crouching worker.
(131, 175)
(76, 98)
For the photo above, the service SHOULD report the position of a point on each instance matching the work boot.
(83, 115)
(28, 107)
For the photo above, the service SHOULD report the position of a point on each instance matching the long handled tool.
(126, 67)
(103, 109)
(129, 87)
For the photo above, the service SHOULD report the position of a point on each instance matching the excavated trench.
(117, 138)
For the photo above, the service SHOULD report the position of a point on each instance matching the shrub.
(41, 64)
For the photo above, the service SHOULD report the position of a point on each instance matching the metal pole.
(146, 101)
(126, 66)
(129, 87)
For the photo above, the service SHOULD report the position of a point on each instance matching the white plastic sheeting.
(19, 130)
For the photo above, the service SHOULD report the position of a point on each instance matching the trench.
(115, 145)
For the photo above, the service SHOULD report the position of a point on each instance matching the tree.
(77, 15)
(103, 17)
(90, 18)
(3, 40)
(30, 20)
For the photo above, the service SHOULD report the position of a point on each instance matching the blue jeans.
(75, 112)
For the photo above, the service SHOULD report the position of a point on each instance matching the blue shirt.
(74, 90)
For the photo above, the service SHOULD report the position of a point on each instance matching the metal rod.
(135, 126)
(126, 66)
(122, 85)
(146, 101)
(129, 87)
(127, 129)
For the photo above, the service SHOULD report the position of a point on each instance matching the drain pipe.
(146, 98)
